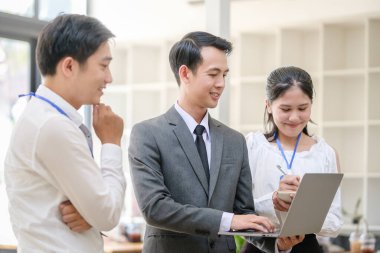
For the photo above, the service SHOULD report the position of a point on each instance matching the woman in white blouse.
(287, 144)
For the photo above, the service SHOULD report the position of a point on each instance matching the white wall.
(133, 20)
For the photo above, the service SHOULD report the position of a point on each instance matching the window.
(48, 9)
(14, 79)
(43, 9)
(18, 7)
(21, 22)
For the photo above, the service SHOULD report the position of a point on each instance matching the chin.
(212, 105)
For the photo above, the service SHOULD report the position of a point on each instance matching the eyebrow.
(306, 104)
(218, 69)
(107, 58)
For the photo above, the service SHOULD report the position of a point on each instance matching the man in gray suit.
(190, 172)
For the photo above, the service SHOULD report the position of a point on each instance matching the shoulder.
(323, 146)
(58, 125)
(226, 130)
(156, 122)
(255, 139)
(327, 153)
(59, 132)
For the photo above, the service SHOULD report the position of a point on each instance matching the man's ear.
(67, 66)
(268, 106)
(184, 74)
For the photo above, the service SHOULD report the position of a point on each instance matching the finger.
(297, 239)
(291, 180)
(67, 209)
(283, 243)
(284, 205)
(276, 204)
(268, 224)
(95, 113)
(66, 202)
(259, 227)
(265, 223)
(288, 186)
(301, 238)
(80, 229)
(70, 218)
(76, 223)
(279, 205)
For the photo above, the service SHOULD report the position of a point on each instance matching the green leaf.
(239, 241)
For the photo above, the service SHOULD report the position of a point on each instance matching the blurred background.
(336, 41)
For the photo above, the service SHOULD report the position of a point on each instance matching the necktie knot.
(199, 129)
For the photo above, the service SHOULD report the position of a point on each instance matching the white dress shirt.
(263, 160)
(48, 162)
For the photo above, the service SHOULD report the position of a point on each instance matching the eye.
(104, 66)
(285, 109)
(302, 109)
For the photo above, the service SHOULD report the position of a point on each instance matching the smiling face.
(93, 76)
(291, 111)
(201, 89)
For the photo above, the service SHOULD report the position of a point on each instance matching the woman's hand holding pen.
(287, 183)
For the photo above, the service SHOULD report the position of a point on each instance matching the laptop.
(309, 207)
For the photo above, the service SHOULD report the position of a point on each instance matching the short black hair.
(187, 51)
(74, 35)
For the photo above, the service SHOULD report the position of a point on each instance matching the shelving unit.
(343, 58)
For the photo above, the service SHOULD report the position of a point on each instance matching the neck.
(195, 112)
(287, 142)
(61, 90)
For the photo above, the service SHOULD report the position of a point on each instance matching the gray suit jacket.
(183, 212)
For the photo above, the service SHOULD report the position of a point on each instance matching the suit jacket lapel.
(216, 153)
(186, 141)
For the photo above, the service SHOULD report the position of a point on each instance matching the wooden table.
(8, 247)
(109, 247)
(121, 247)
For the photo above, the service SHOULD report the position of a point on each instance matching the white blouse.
(263, 160)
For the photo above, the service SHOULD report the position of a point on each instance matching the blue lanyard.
(46, 100)
(30, 94)
(283, 153)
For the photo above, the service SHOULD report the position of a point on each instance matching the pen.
(280, 169)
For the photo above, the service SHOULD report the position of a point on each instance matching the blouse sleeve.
(333, 221)
(263, 204)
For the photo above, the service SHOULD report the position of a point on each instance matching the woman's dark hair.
(278, 82)
(72, 35)
(187, 51)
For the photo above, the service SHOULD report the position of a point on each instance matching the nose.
(221, 82)
(294, 117)
(108, 78)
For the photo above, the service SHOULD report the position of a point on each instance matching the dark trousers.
(308, 245)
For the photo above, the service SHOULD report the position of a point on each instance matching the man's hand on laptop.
(251, 221)
(286, 243)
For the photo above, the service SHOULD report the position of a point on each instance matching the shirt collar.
(190, 121)
(61, 103)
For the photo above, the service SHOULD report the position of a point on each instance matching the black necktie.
(199, 142)
(87, 133)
